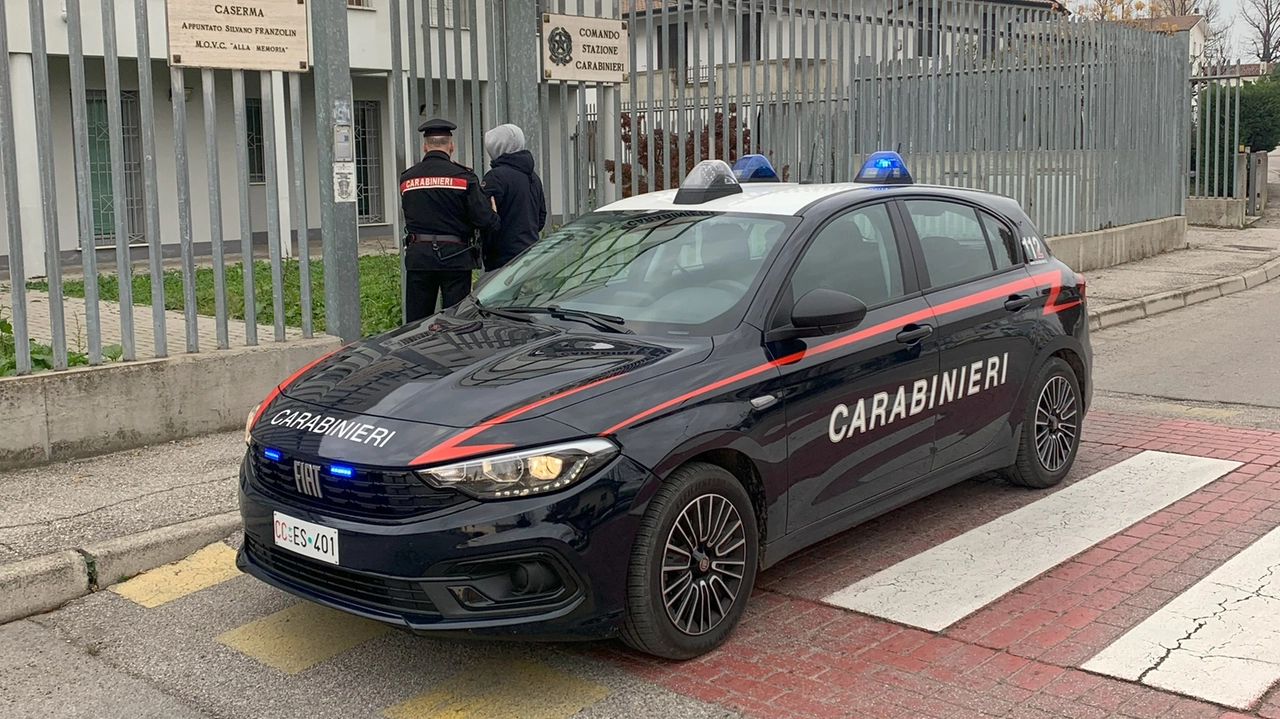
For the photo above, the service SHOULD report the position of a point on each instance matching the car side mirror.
(821, 312)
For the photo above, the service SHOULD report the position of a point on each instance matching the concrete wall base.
(1216, 212)
(1117, 245)
(88, 411)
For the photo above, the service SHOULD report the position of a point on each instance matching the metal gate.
(1217, 159)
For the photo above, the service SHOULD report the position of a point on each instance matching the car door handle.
(1017, 302)
(912, 334)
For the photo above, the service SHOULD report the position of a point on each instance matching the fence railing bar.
(302, 223)
(246, 219)
(150, 181)
(13, 211)
(115, 132)
(177, 96)
(48, 185)
(207, 82)
(84, 187)
(273, 204)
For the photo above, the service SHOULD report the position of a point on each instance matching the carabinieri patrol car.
(616, 432)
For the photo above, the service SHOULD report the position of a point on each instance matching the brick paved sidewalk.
(1019, 656)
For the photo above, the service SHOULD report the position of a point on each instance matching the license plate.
(306, 538)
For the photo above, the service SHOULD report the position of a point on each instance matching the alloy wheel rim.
(703, 564)
(1056, 426)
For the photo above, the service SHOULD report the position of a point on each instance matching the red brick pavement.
(1018, 657)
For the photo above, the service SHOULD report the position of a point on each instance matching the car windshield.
(662, 272)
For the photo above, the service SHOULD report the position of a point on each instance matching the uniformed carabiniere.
(443, 209)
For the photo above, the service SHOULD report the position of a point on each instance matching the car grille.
(368, 590)
(369, 494)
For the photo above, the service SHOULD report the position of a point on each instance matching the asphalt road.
(1216, 361)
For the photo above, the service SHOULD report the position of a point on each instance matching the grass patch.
(41, 354)
(379, 292)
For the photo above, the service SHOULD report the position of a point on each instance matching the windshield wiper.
(599, 320)
(495, 312)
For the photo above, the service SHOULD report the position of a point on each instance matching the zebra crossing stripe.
(1218, 640)
(936, 588)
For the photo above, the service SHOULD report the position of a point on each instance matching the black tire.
(1051, 427)
(696, 628)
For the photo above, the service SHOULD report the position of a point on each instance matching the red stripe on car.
(452, 448)
(1054, 278)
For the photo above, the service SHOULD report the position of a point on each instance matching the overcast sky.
(1241, 46)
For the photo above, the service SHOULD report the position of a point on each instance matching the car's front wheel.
(693, 565)
(1051, 431)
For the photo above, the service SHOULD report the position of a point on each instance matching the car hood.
(456, 373)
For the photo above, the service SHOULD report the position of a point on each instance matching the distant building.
(1195, 26)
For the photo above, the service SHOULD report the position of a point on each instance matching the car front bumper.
(460, 570)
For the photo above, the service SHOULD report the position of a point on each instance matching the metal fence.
(118, 199)
(1084, 122)
(1216, 152)
(1088, 124)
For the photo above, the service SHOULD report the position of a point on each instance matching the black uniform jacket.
(516, 188)
(441, 197)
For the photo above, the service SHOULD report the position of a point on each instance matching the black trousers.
(423, 286)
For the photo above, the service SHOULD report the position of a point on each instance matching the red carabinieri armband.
(432, 183)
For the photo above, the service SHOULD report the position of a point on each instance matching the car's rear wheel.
(693, 565)
(1051, 428)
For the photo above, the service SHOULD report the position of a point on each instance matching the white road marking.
(937, 588)
(1218, 641)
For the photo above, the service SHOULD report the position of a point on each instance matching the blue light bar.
(884, 168)
(754, 168)
(272, 454)
(342, 470)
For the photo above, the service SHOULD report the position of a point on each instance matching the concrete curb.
(47, 582)
(38, 585)
(118, 559)
(1130, 310)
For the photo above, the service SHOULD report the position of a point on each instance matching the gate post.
(519, 39)
(339, 231)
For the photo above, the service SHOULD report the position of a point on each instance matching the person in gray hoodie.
(516, 189)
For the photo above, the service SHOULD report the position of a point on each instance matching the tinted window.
(678, 272)
(855, 254)
(1004, 246)
(954, 243)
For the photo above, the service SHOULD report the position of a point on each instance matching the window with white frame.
(452, 9)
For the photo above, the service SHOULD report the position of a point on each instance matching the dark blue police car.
(618, 430)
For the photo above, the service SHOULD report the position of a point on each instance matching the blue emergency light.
(884, 168)
(754, 168)
(342, 470)
(272, 454)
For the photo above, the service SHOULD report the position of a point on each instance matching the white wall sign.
(344, 182)
(238, 34)
(585, 49)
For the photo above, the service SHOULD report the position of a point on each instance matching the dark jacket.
(514, 185)
(441, 197)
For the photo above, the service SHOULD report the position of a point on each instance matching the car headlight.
(248, 423)
(525, 473)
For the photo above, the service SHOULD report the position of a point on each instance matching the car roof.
(789, 198)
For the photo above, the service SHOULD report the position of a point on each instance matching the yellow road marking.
(212, 565)
(509, 689)
(301, 636)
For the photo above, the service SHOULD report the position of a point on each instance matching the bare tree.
(1263, 19)
(1217, 43)
(1113, 10)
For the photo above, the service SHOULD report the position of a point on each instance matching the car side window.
(1004, 245)
(857, 254)
(954, 243)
